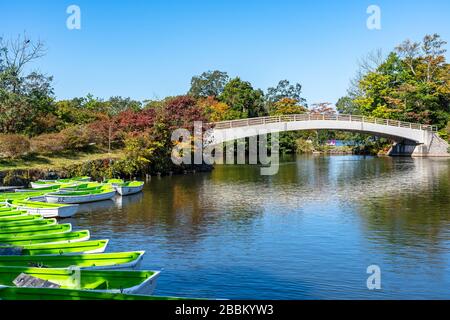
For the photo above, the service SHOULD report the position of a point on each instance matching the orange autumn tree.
(216, 110)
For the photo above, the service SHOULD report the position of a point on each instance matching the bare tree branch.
(368, 63)
(17, 53)
(409, 51)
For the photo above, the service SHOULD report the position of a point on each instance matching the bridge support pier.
(435, 147)
(403, 148)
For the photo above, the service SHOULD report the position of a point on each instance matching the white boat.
(37, 198)
(47, 188)
(79, 196)
(47, 210)
(42, 185)
(128, 188)
(30, 190)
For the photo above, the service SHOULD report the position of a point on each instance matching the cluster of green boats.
(42, 259)
(60, 198)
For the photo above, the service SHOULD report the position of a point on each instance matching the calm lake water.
(309, 232)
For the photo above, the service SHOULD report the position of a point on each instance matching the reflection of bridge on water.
(410, 138)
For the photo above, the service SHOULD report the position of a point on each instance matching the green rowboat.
(97, 261)
(4, 207)
(46, 188)
(85, 186)
(49, 227)
(24, 220)
(66, 237)
(21, 195)
(14, 293)
(47, 210)
(75, 179)
(12, 212)
(130, 187)
(130, 282)
(64, 197)
(91, 246)
(20, 217)
(84, 189)
(43, 184)
(114, 181)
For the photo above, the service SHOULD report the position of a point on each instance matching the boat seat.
(28, 281)
(97, 285)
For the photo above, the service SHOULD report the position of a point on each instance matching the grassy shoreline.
(56, 161)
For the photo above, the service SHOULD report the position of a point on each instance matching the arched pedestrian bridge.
(409, 138)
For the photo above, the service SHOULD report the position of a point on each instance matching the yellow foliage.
(383, 112)
(217, 110)
(286, 106)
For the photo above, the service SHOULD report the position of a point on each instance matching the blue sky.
(151, 49)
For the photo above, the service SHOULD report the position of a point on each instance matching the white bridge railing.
(312, 117)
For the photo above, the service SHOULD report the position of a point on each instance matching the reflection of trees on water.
(380, 177)
(182, 208)
(412, 213)
(405, 200)
(343, 179)
(401, 201)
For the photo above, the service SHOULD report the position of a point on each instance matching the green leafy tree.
(346, 105)
(285, 90)
(210, 83)
(117, 104)
(242, 98)
(286, 106)
(76, 112)
(412, 84)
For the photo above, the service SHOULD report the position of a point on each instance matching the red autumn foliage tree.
(181, 112)
(112, 130)
(131, 121)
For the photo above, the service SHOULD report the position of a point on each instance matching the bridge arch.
(418, 138)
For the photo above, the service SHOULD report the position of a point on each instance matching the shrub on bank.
(78, 138)
(14, 146)
(304, 146)
(96, 169)
(47, 143)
